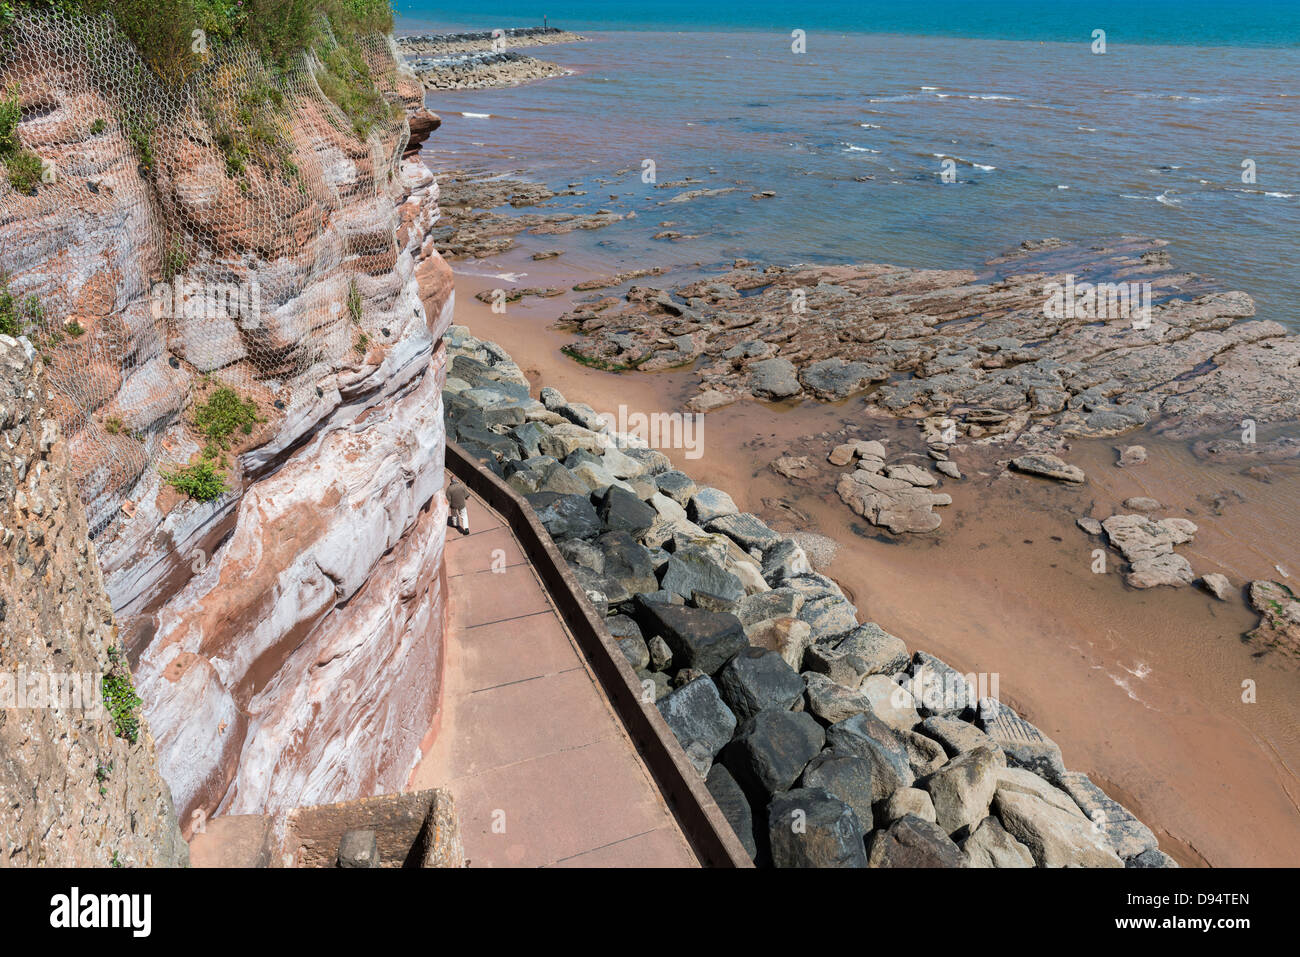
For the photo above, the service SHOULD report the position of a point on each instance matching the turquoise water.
(1184, 22)
(1044, 138)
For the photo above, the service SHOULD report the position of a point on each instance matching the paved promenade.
(541, 768)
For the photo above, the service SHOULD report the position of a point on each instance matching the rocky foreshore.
(482, 60)
(438, 44)
(983, 362)
(985, 351)
(824, 740)
(472, 227)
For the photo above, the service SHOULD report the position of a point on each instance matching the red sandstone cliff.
(286, 636)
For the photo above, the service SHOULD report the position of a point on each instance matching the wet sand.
(1142, 689)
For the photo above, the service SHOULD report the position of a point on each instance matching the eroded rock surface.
(980, 348)
(288, 629)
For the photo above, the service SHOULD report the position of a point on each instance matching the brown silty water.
(1148, 692)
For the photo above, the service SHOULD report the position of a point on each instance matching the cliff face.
(75, 793)
(286, 633)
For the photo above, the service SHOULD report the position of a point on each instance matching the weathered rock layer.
(288, 631)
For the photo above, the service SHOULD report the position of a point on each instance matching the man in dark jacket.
(458, 502)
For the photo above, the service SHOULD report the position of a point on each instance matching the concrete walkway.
(542, 770)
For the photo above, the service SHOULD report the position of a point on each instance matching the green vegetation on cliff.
(22, 166)
(120, 699)
(223, 414)
(172, 36)
(163, 30)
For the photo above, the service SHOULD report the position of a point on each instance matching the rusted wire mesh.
(181, 236)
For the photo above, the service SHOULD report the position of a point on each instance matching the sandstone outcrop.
(988, 354)
(1279, 611)
(285, 629)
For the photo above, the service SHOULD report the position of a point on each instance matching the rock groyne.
(825, 740)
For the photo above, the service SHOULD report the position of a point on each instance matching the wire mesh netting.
(160, 242)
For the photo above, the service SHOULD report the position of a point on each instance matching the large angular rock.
(809, 828)
(829, 615)
(963, 789)
(556, 478)
(565, 516)
(907, 801)
(678, 486)
(693, 570)
(700, 639)
(734, 806)
(1048, 466)
(890, 702)
(1128, 837)
(783, 561)
(578, 552)
(627, 567)
(621, 626)
(925, 755)
(1025, 746)
(1027, 782)
(813, 585)
(874, 650)
(771, 750)
(913, 842)
(989, 845)
(824, 659)
(597, 480)
(622, 511)
(1054, 837)
(654, 461)
(940, 689)
(843, 776)
(700, 720)
(567, 437)
(774, 379)
(621, 464)
(956, 736)
(832, 702)
(593, 585)
(777, 603)
(866, 736)
(708, 504)
(635, 651)
(757, 679)
(529, 437)
(746, 530)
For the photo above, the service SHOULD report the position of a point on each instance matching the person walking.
(458, 500)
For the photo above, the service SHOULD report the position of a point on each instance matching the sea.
(934, 135)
